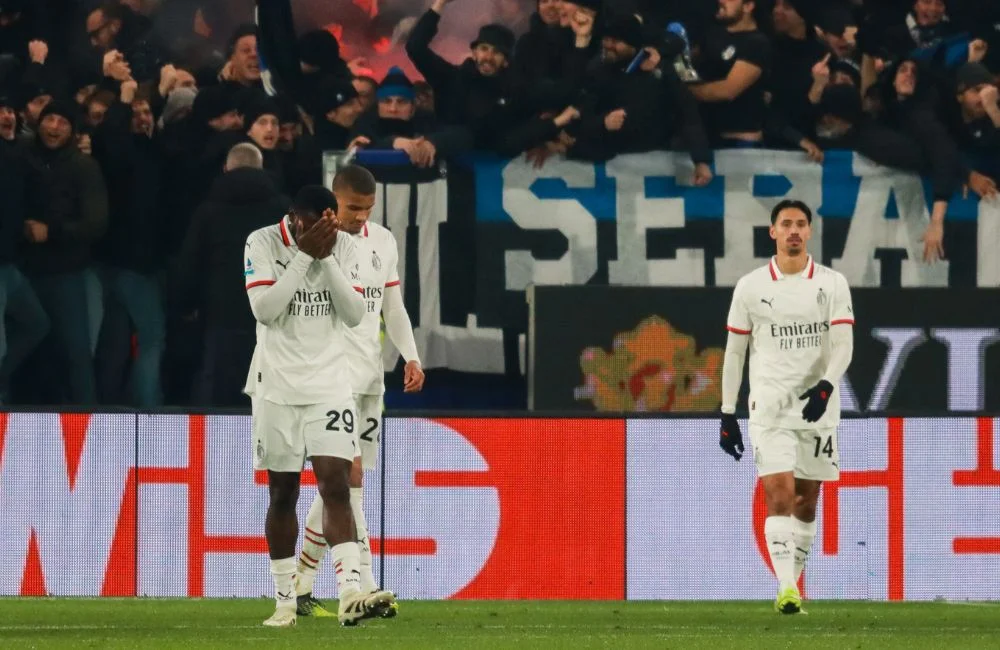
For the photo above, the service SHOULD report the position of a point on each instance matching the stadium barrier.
(650, 349)
(499, 508)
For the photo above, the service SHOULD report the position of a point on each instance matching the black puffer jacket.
(208, 278)
(66, 191)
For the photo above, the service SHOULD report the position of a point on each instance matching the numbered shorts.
(284, 436)
(369, 427)
(810, 454)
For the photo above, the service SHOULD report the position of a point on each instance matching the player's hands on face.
(413, 377)
(818, 396)
(730, 438)
(318, 241)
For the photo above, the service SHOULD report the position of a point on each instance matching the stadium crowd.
(126, 197)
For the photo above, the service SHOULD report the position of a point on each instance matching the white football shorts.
(370, 427)
(810, 454)
(284, 436)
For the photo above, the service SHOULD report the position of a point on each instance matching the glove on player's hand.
(730, 438)
(818, 396)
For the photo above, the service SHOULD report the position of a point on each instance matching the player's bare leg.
(333, 477)
(779, 532)
(804, 519)
(281, 528)
(310, 559)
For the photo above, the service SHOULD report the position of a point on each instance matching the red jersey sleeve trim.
(260, 283)
(392, 284)
(736, 330)
(842, 321)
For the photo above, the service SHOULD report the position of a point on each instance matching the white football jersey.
(788, 320)
(377, 260)
(302, 357)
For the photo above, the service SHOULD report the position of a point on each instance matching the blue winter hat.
(396, 84)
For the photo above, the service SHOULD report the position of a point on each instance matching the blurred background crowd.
(140, 142)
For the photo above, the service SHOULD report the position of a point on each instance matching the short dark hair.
(791, 204)
(367, 79)
(112, 10)
(313, 201)
(355, 178)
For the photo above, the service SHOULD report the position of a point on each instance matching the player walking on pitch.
(297, 277)
(354, 188)
(798, 320)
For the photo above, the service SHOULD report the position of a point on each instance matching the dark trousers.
(67, 369)
(225, 363)
(133, 302)
(23, 322)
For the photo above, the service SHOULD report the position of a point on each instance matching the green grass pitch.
(148, 623)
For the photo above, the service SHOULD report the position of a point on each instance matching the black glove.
(818, 397)
(730, 438)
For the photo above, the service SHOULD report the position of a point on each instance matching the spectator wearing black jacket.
(909, 104)
(242, 200)
(479, 93)
(538, 52)
(130, 151)
(263, 128)
(23, 322)
(631, 113)
(67, 214)
(975, 122)
(797, 50)
(396, 124)
(114, 26)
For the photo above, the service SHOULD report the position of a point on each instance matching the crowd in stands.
(134, 163)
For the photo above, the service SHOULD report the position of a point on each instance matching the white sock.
(780, 535)
(805, 533)
(313, 548)
(357, 507)
(347, 567)
(283, 574)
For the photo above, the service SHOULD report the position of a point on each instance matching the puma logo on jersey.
(769, 303)
(283, 265)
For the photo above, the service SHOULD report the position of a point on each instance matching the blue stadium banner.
(637, 221)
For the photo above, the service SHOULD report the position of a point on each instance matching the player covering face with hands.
(797, 319)
(379, 286)
(299, 276)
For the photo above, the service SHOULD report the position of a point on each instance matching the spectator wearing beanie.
(337, 109)
(975, 118)
(129, 148)
(319, 56)
(36, 98)
(479, 93)
(396, 124)
(67, 215)
(263, 129)
(8, 123)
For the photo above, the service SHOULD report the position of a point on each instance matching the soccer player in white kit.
(354, 188)
(298, 277)
(797, 318)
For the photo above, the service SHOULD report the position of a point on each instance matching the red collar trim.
(776, 273)
(366, 230)
(286, 236)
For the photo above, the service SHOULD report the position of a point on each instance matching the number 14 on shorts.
(824, 445)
